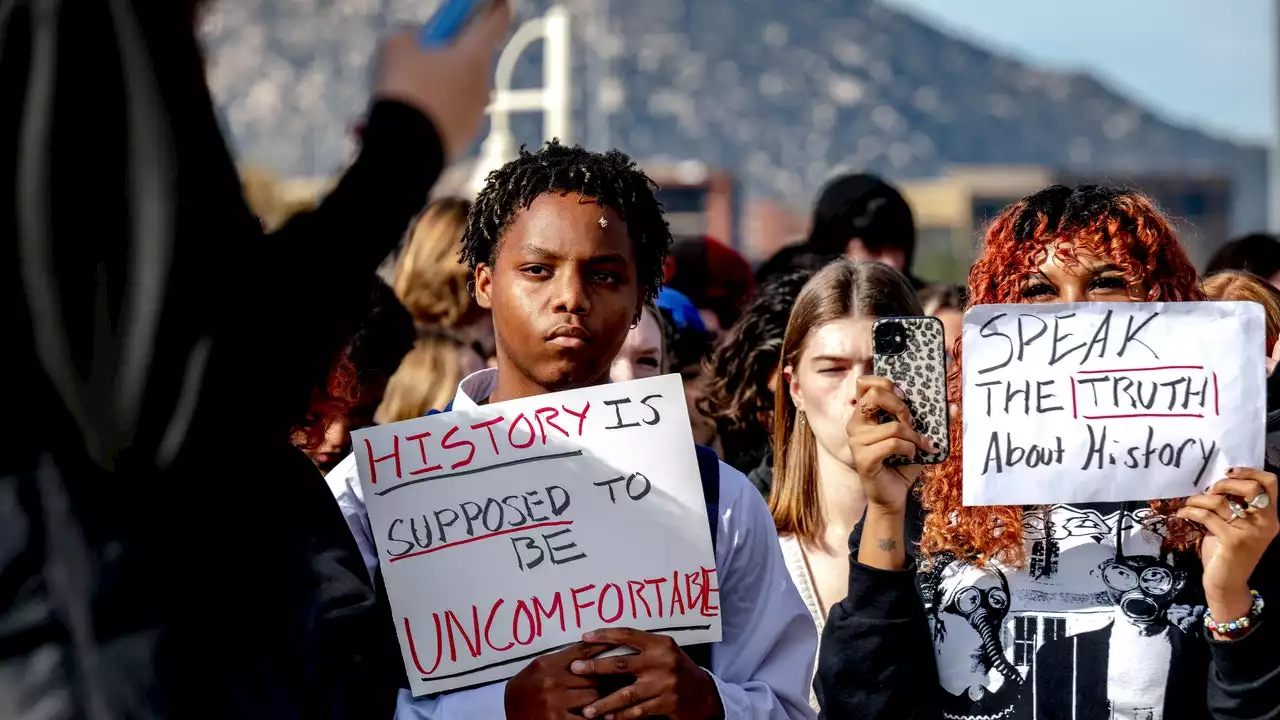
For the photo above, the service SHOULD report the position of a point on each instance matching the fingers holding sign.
(667, 682)
(1238, 506)
(1240, 514)
(546, 688)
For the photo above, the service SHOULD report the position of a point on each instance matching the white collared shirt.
(763, 667)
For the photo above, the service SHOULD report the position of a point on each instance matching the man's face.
(563, 292)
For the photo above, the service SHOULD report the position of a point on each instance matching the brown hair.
(741, 372)
(430, 280)
(1241, 285)
(426, 380)
(1104, 221)
(842, 289)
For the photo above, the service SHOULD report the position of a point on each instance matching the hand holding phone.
(911, 352)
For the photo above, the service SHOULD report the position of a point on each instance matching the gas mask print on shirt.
(1096, 596)
(969, 606)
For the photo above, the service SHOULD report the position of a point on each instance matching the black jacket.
(877, 656)
(163, 550)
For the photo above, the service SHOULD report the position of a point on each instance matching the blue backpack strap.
(709, 471)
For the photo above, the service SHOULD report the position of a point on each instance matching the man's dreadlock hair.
(612, 179)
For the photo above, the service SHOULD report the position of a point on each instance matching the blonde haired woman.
(433, 285)
(428, 377)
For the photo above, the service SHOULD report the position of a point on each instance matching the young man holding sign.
(1050, 589)
(566, 246)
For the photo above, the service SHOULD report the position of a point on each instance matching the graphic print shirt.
(1095, 596)
(1097, 624)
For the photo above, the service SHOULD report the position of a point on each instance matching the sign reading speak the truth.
(505, 532)
(1091, 402)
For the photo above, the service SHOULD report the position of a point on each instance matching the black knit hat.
(862, 207)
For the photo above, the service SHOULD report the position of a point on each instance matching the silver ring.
(1237, 510)
(1261, 502)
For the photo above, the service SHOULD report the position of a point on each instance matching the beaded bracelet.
(1235, 626)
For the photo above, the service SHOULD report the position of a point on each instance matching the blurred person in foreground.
(741, 376)
(860, 217)
(1257, 253)
(714, 277)
(262, 194)
(165, 550)
(431, 282)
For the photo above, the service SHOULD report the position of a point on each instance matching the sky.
(1206, 63)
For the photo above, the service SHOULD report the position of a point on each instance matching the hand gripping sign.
(507, 531)
(1091, 402)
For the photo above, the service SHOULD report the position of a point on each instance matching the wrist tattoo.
(887, 544)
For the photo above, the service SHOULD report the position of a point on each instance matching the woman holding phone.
(817, 497)
(1067, 611)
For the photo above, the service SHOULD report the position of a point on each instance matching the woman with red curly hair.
(1064, 611)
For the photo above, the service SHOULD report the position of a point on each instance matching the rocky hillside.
(784, 92)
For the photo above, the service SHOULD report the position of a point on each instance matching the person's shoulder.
(732, 481)
(344, 481)
(740, 502)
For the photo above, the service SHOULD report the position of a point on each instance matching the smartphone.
(911, 351)
(450, 19)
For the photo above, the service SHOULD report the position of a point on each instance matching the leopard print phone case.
(911, 352)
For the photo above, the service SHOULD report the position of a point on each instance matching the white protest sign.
(505, 532)
(1093, 402)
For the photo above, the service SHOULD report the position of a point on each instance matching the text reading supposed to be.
(1094, 402)
(507, 531)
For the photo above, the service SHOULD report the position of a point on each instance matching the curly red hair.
(1121, 225)
(332, 400)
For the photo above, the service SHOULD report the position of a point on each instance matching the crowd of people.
(777, 371)
(850, 586)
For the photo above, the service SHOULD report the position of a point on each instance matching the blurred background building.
(743, 108)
